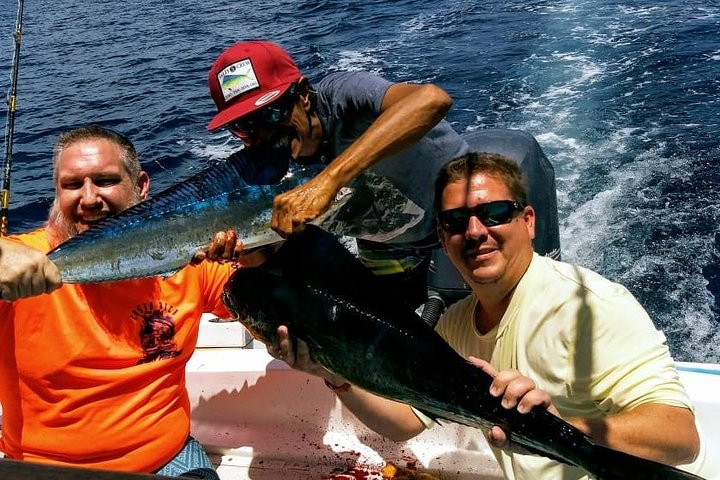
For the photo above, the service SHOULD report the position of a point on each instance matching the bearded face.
(62, 227)
(92, 184)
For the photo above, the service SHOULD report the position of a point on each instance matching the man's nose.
(90, 194)
(475, 228)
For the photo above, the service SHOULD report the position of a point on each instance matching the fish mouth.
(228, 300)
(255, 333)
(243, 314)
(240, 296)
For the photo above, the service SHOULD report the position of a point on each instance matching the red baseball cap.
(248, 76)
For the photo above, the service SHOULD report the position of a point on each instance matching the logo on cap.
(237, 78)
(266, 98)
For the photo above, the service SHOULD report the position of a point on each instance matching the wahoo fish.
(160, 235)
(328, 299)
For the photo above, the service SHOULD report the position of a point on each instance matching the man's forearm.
(403, 122)
(659, 432)
(390, 419)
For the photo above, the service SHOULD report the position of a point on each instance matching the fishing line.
(10, 124)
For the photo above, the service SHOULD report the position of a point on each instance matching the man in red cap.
(351, 122)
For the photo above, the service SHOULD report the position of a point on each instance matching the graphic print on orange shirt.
(157, 335)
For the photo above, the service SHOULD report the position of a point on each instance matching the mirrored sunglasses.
(273, 114)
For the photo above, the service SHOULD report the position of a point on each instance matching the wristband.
(340, 388)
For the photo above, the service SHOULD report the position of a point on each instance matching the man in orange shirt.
(94, 375)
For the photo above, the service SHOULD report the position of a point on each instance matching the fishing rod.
(10, 125)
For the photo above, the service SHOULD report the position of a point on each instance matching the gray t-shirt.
(348, 103)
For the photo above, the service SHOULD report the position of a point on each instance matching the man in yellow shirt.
(94, 375)
(552, 335)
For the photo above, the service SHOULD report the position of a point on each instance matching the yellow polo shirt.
(584, 340)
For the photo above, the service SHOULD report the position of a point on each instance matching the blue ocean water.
(623, 96)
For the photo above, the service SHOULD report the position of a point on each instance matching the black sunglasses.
(491, 214)
(277, 112)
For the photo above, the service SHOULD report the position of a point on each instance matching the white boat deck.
(260, 419)
(277, 423)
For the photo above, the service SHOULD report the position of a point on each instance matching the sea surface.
(623, 96)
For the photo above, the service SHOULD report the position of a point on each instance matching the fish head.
(284, 290)
(261, 300)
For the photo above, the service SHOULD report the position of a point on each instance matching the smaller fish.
(160, 235)
(328, 299)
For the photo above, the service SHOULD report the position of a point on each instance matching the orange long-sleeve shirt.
(94, 375)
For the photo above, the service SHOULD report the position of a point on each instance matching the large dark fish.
(161, 235)
(328, 299)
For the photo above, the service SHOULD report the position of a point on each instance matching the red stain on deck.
(358, 473)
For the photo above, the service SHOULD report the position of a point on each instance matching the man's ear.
(529, 217)
(303, 86)
(441, 237)
(143, 184)
(304, 93)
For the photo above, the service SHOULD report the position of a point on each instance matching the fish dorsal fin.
(316, 257)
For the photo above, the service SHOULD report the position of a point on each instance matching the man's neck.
(55, 236)
(318, 134)
(493, 301)
(488, 314)
(317, 145)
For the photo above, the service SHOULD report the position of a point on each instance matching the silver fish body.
(355, 329)
(160, 235)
